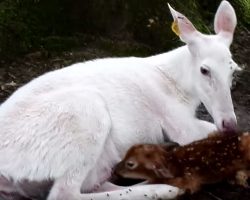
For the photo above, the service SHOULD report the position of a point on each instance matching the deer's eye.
(205, 71)
(131, 164)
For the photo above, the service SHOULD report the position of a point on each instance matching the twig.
(213, 196)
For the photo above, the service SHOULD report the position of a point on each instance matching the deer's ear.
(183, 27)
(225, 21)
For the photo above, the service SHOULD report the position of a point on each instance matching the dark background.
(57, 25)
(37, 36)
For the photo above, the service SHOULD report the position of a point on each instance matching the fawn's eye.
(131, 164)
(205, 70)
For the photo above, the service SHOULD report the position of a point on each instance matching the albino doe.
(188, 167)
(74, 124)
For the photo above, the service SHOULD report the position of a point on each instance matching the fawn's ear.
(183, 27)
(225, 21)
(168, 146)
(163, 172)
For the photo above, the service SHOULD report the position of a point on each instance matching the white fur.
(74, 124)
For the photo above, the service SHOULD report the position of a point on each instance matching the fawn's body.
(189, 167)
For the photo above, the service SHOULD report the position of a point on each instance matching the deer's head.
(213, 67)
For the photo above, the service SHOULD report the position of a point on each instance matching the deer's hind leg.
(88, 138)
(138, 192)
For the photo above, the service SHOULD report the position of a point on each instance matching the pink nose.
(229, 125)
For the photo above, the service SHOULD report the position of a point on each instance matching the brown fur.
(189, 167)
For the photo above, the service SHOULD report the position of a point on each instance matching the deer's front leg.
(206, 127)
(188, 131)
(200, 129)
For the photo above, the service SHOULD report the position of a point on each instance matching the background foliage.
(55, 25)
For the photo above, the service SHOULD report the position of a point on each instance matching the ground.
(18, 72)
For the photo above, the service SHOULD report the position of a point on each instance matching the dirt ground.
(16, 73)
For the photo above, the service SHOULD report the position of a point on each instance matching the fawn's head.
(146, 161)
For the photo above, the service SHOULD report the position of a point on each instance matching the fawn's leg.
(241, 177)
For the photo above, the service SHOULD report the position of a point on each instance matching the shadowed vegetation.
(57, 25)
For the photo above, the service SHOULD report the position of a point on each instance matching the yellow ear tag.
(175, 28)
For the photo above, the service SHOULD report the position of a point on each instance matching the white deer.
(74, 124)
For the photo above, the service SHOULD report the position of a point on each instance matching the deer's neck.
(178, 67)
